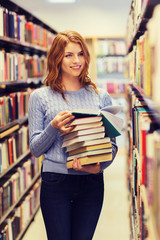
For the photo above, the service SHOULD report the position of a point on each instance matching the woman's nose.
(76, 58)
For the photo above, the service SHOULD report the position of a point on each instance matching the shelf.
(19, 237)
(22, 47)
(12, 127)
(9, 131)
(14, 7)
(110, 55)
(149, 105)
(117, 95)
(15, 86)
(112, 75)
(20, 198)
(15, 163)
(146, 14)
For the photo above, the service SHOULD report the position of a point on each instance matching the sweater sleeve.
(41, 138)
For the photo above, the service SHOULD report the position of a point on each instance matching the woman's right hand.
(60, 121)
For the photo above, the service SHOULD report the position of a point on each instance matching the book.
(90, 153)
(87, 143)
(83, 138)
(92, 159)
(83, 132)
(113, 124)
(85, 119)
(85, 126)
(90, 148)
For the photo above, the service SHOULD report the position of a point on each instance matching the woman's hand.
(60, 121)
(90, 168)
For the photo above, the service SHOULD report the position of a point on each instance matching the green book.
(112, 123)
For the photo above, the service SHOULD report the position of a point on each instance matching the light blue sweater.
(44, 105)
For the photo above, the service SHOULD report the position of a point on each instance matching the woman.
(71, 199)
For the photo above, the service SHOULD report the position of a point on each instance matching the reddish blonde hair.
(55, 57)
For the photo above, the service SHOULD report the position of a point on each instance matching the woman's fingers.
(60, 121)
(90, 168)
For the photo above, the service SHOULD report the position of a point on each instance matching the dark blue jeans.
(71, 205)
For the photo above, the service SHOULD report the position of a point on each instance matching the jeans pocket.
(51, 178)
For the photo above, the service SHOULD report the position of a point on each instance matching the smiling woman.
(70, 202)
(72, 64)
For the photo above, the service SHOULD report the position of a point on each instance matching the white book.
(85, 126)
(1, 22)
(83, 138)
(87, 143)
(90, 153)
(83, 132)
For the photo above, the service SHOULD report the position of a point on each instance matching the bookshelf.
(107, 70)
(24, 42)
(107, 63)
(143, 119)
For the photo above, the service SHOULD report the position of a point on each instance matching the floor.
(114, 222)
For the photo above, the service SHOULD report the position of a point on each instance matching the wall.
(91, 18)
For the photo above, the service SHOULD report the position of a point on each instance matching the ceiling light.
(62, 1)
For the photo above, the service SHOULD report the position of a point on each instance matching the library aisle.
(114, 221)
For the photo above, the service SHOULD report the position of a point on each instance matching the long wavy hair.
(55, 57)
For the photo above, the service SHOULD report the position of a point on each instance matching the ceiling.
(89, 17)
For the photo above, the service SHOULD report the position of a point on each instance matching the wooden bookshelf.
(143, 119)
(107, 62)
(20, 48)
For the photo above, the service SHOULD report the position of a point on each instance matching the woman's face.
(73, 61)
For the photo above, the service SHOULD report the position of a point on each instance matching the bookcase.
(107, 71)
(143, 119)
(24, 42)
(107, 63)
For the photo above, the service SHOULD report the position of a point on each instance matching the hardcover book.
(87, 143)
(113, 124)
(92, 159)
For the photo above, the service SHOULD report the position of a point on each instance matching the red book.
(10, 150)
(12, 96)
(143, 133)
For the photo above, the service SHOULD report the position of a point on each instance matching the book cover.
(85, 119)
(83, 138)
(90, 153)
(90, 148)
(92, 159)
(87, 143)
(83, 132)
(113, 124)
(85, 126)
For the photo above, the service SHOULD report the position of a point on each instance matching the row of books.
(134, 19)
(14, 106)
(16, 183)
(105, 47)
(112, 86)
(16, 26)
(13, 147)
(16, 66)
(143, 61)
(89, 140)
(138, 63)
(110, 64)
(154, 42)
(22, 214)
(143, 169)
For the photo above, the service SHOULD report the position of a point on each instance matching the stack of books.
(89, 141)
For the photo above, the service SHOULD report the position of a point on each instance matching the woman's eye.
(68, 55)
(81, 54)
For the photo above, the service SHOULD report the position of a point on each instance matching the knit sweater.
(44, 105)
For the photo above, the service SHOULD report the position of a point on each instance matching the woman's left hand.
(90, 168)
